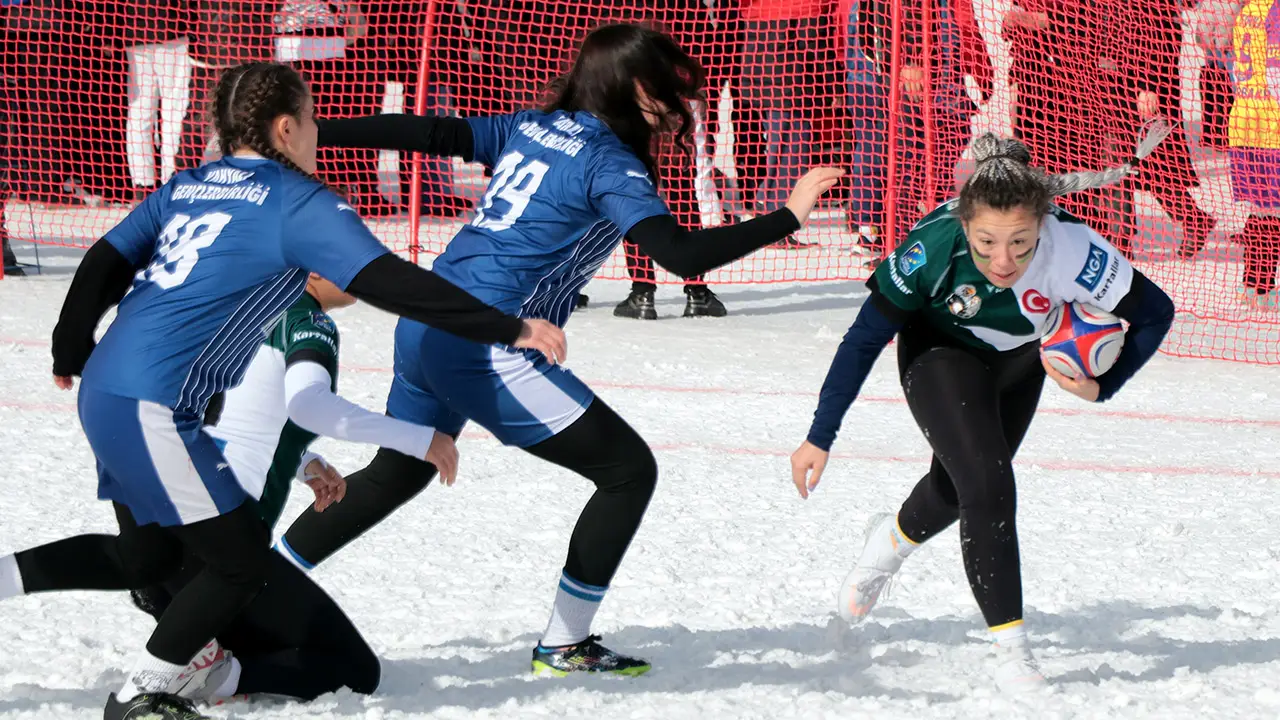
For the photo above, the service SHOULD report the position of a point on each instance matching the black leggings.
(235, 549)
(292, 640)
(599, 446)
(974, 408)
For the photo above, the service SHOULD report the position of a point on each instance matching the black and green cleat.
(152, 706)
(587, 656)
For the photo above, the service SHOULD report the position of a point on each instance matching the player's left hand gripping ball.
(1083, 387)
(546, 338)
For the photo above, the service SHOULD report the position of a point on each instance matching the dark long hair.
(611, 61)
(248, 99)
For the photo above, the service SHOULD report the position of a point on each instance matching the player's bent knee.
(995, 496)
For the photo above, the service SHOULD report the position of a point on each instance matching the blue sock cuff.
(581, 590)
(282, 546)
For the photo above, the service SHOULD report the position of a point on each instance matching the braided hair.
(248, 99)
(1003, 177)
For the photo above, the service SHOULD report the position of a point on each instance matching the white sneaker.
(882, 556)
(204, 675)
(1015, 669)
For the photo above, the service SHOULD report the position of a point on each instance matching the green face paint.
(1025, 257)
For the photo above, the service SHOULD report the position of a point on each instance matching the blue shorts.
(443, 381)
(160, 464)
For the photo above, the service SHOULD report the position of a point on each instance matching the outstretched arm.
(693, 253)
(867, 337)
(429, 134)
(876, 324)
(315, 408)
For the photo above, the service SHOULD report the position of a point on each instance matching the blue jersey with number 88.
(565, 190)
(223, 251)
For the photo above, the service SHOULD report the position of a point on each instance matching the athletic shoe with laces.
(703, 303)
(882, 555)
(204, 675)
(1015, 668)
(151, 706)
(638, 306)
(587, 656)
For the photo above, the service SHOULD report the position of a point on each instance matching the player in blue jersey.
(570, 180)
(214, 258)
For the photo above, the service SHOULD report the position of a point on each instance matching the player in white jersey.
(968, 295)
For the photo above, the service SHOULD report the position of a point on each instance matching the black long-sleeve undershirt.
(437, 136)
(388, 283)
(684, 253)
(692, 253)
(398, 286)
(102, 279)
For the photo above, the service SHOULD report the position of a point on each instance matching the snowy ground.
(1151, 556)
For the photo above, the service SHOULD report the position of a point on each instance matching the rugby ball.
(1082, 340)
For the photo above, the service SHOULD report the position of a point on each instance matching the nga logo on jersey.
(1091, 274)
(912, 259)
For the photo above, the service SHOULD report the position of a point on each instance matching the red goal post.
(105, 99)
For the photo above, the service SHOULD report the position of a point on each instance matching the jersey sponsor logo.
(1094, 263)
(302, 335)
(1112, 271)
(323, 322)
(227, 176)
(343, 206)
(964, 302)
(893, 274)
(1035, 302)
(913, 258)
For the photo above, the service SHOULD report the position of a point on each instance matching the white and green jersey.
(287, 399)
(933, 273)
(263, 447)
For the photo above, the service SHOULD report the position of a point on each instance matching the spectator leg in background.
(639, 304)
(173, 76)
(438, 196)
(1261, 241)
(140, 127)
(1168, 174)
(868, 102)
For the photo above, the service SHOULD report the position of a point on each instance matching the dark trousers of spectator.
(1261, 241)
(922, 178)
(778, 77)
(347, 87)
(1167, 174)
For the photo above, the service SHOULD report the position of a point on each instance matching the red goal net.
(102, 101)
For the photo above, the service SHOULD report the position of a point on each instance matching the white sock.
(902, 544)
(150, 675)
(10, 578)
(228, 686)
(575, 608)
(1010, 634)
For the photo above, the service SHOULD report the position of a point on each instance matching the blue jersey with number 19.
(565, 190)
(224, 250)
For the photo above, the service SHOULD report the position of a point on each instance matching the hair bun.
(988, 146)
